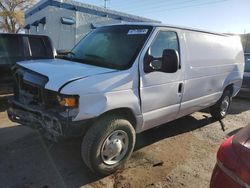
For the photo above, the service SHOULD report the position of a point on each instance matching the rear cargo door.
(161, 92)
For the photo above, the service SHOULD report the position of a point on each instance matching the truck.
(123, 79)
(18, 47)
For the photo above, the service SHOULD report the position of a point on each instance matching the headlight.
(68, 101)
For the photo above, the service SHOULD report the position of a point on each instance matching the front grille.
(50, 99)
(27, 92)
(30, 89)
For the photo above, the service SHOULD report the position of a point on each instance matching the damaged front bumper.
(52, 124)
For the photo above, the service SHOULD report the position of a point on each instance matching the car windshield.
(114, 47)
(247, 65)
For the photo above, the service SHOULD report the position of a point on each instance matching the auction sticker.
(137, 31)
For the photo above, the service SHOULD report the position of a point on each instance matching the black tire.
(217, 111)
(94, 139)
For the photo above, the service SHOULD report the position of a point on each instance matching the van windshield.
(114, 47)
(247, 64)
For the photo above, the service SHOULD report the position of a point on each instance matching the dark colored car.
(19, 47)
(245, 89)
(233, 162)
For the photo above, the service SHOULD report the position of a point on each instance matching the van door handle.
(180, 88)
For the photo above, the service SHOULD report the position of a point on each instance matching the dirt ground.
(178, 154)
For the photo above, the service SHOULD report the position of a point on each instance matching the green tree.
(12, 14)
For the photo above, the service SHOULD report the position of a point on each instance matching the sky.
(227, 16)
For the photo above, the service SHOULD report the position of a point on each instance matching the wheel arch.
(124, 112)
(230, 88)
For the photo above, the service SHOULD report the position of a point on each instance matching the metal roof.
(85, 8)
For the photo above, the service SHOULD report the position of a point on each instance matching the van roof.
(153, 24)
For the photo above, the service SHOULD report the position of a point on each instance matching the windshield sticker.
(137, 31)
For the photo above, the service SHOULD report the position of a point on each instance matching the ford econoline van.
(124, 79)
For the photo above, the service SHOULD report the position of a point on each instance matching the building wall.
(64, 36)
(84, 21)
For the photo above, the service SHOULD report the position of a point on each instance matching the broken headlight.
(68, 101)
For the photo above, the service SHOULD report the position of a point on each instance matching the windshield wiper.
(94, 56)
(66, 55)
(71, 53)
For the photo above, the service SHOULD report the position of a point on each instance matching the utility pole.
(105, 3)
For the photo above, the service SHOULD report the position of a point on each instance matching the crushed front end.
(48, 111)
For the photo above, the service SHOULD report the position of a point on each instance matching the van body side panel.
(213, 63)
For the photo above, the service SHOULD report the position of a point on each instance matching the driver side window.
(164, 40)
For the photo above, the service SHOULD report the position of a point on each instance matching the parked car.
(233, 162)
(19, 47)
(124, 79)
(245, 89)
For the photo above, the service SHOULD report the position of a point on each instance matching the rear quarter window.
(37, 47)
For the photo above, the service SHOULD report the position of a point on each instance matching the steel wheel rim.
(115, 147)
(225, 105)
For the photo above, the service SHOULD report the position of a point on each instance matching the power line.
(201, 4)
(163, 10)
(139, 3)
(164, 4)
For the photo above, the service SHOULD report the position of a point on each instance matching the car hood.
(241, 145)
(60, 72)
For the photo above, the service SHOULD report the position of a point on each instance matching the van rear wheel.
(108, 144)
(220, 109)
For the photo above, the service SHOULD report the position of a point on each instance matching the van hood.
(59, 72)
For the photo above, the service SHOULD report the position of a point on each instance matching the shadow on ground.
(27, 161)
(177, 127)
(239, 105)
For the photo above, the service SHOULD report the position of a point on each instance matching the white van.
(124, 79)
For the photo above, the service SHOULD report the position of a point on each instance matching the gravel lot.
(178, 154)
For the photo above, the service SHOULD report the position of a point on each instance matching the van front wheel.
(108, 144)
(220, 109)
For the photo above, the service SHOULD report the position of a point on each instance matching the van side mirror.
(169, 62)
